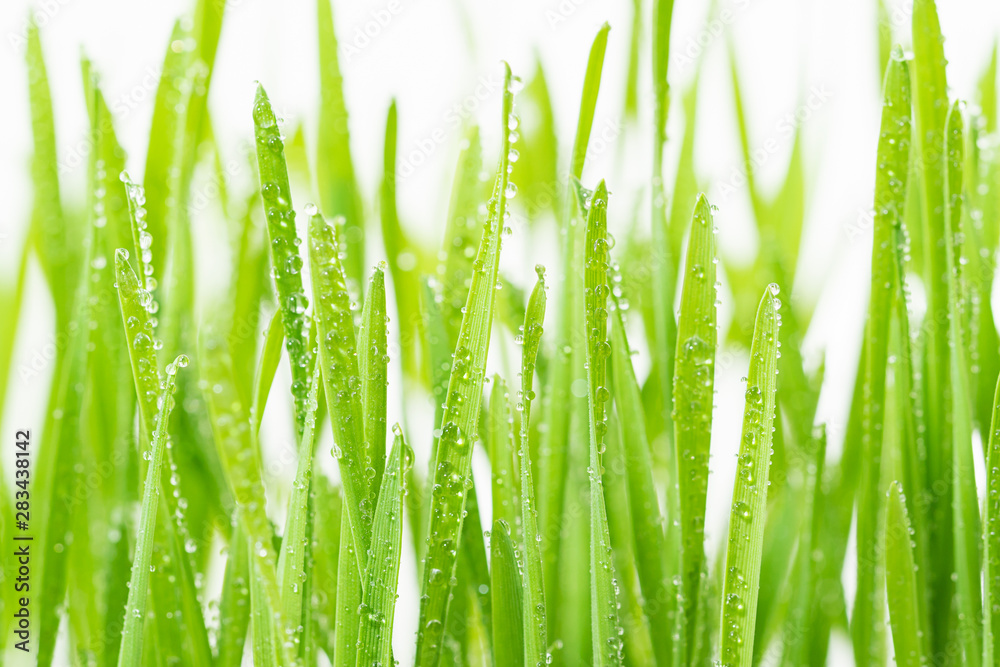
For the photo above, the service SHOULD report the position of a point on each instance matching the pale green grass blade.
(534, 612)
(537, 168)
(234, 605)
(348, 621)
(55, 241)
(267, 366)
(685, 193)
(694, 381)
(607, 645)
(647, 520)
(508, 602)
(964, 500)
(459, 427)
(890, 191)
(500, 440)
(746, 526)
(561, 406)
(335, 179)
(373, 361)
(339, 362)
(292, 564)
(930, 106)
(264, 637)
(637, 640)
(135, 610)
(326, 554)
(901, 583)
(991, 539)
(401, 253)
(382, 572)
(286, 263)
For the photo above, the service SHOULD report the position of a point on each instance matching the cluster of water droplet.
(143, 239)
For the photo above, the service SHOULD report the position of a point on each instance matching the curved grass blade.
(286, 264)
(607, 646)
(562, 406)
(694, 381)
(901, 583)
(508, 592)
(135, 610)
(335, 178)
(461, 415)
(890, 199)
(647, 520)
(964, 500)
(267, 366)
(534, 613)
(339, 362)
(378, 602)
(746, 526)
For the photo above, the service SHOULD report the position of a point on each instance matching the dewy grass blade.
(991, 539)
(607, 645)
(234, 605)
(373, 361)
(378, 602)
(264, 639)
(500, 440)
(647, 521)
(339, 361)
(534, 614)
(292, 564)
(337, 184)
(135, 610)
(348, 597)
(901, 583)
(890, 198)
(746, 524)
(561, 405)
(459, 428)
(694, 381)
(286, 264)
(930, 108)
(964, 500)
(508, 591)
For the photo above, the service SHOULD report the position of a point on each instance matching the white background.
(432, 54)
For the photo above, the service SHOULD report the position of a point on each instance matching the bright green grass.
(599, 474)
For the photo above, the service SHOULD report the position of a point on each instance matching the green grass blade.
(135, 610)
(267, 366)
(964, 500)
(234, 605)
(508, 604)
(382, 572)
(348, 597)
(500, 440)
(264, 638)
(930, 106)
(991, 539)
(286, 264)
(373, 361)
(607, 646)
(326, 555)
(694, 381)
(336, 181)
(534, 613)
(901, 583)
(339, 361)
(647, 521)
(461, 415)
(746, 526)
(561, 406)
(890, 192)
(292, 564)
